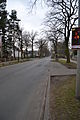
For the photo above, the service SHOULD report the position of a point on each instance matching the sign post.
(78, 64)
(76, 45)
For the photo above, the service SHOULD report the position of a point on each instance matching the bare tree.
(32, 41)
(54, 36)
(26, 41)
(41, 45)
(64, 14)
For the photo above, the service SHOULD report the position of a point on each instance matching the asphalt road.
(22, 90)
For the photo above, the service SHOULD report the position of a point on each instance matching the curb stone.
(44, 115)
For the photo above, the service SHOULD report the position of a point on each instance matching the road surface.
(22, 90)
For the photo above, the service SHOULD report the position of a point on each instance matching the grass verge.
(70, 65)
(63, 104)
(2, 64)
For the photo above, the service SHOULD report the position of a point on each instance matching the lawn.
(70, 65)
(62, 102)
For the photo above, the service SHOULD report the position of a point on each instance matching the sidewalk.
(59, 69)
(55, 68)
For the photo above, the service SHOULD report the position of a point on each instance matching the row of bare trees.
(60, 19)
(62, 16)
(31, 40)
(28, 40)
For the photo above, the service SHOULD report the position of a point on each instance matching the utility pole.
(78, 62)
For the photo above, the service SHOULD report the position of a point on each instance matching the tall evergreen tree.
(13, 28)
(3, 21)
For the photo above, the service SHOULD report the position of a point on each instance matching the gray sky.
(30, 21)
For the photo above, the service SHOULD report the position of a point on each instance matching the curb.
(45, 106)
(44, 103)
(47, 111)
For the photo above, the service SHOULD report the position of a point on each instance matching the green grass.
(70, 65)
(63, 104)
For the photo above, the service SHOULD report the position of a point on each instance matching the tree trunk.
(14, 52)
(3, 47)
(21, 54)
(21, 50)
(56, 50)
(67, 52)
(32, 48)
(41, 53)
(18, 55)
(21, 46)
(68, 55)
(26, 52)
(67, 41)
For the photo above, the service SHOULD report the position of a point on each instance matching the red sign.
(76, 38)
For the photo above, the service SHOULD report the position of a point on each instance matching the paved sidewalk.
(59, 69)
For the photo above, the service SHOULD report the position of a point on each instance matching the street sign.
(76, 38)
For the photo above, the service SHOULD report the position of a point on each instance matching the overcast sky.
(30, 21)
